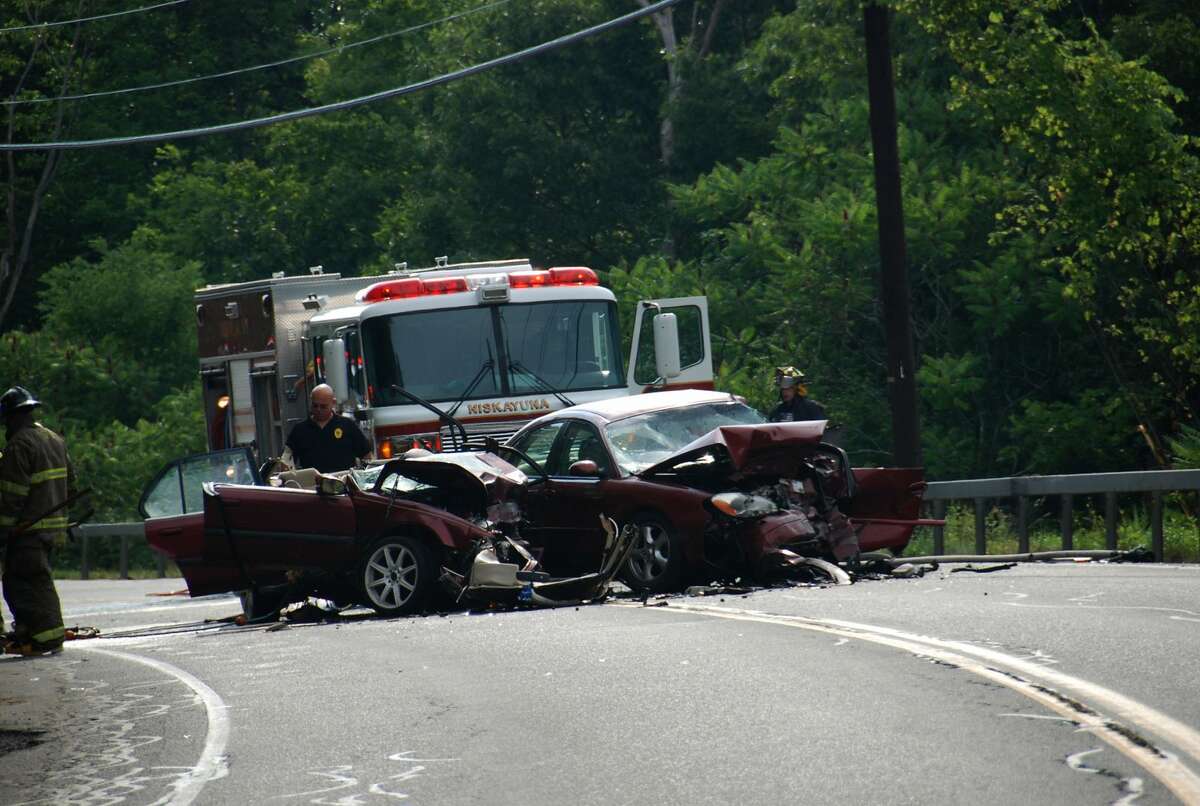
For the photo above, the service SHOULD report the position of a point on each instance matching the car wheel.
(260, 603)
(656, 562)
(396, 575)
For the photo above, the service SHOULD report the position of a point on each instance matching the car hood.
(752, 449)
(483, 477)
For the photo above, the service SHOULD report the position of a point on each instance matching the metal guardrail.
(123, 531)
(938, 493)
(1022, 488)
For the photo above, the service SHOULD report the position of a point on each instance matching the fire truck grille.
(476, 433)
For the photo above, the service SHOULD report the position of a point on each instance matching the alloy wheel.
(651, 553)
(391, 576)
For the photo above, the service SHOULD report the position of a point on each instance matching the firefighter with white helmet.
(794, 403)
(36, 480)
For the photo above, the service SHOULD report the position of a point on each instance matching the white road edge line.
(162, 608)
(1176, 776)
(212, 763)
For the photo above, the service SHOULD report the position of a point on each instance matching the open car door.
(887, 506)
(695, 366)
(173, 506)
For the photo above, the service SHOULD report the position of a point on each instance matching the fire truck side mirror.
(333, 353)
(666, 346)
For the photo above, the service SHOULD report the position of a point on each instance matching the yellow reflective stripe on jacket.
(14, 489)
(8, 520)
(56, 523)
(50, 635)
(48, 475)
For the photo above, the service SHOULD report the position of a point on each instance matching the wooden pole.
(894, 291)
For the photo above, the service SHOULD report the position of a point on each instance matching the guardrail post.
(1156, 526)
(1110, 521)
(83, 556)
(1022, 524)
(124, 557)
(981, 526)
(939, 532)
(160, 560)
(1067, 522)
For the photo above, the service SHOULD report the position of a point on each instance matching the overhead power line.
(445, 78)
(267, 66)
(59, 23)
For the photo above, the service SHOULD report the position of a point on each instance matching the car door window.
(536, 445)
(580, 441)
(178, 488)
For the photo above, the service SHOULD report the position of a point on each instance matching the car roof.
(617, 408)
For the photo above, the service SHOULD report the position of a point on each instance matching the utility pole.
(894, 291)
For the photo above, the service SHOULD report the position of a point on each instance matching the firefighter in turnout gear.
(794, 402)
(36, 478)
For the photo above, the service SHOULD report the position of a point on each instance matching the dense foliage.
(1049, 164)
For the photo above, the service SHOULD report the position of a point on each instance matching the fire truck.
(432, 357)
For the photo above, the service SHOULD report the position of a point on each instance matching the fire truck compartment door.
(695, 345)
(244, 430)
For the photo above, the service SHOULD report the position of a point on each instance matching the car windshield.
(366, 479)
(644, 440)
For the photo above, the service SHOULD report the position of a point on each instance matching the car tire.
(656, 563)
(259, 604)
(396, 575)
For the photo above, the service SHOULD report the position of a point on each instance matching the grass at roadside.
(1181, 532)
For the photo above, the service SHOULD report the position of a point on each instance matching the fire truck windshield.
(572, 345)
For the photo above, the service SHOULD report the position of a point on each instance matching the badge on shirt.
(337, 433)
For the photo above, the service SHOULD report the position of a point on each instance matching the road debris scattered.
(982, 569)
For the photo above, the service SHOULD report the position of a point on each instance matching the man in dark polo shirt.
(325, 441)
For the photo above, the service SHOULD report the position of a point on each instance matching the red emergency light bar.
(410, 287)
(564, 275)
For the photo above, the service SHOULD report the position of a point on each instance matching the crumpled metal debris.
(717, 590)
(983, 569)
(504, 572)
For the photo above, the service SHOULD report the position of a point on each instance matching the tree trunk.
(20, 226)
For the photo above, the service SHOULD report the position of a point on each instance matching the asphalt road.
(1037, 684)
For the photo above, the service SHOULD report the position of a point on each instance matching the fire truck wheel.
(397, 575)
(656, 561)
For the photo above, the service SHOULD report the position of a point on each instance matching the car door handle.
(177, 530)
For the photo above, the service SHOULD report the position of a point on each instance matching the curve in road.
(1167, 768)
(211, 764)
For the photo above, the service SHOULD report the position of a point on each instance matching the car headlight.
(741, 505)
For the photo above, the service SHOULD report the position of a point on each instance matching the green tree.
(132, 304)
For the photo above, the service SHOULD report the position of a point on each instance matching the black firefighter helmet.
(17, 399)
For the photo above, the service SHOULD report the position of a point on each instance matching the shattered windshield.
(366, 479)
(645, 440)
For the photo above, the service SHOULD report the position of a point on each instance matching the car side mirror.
(585, 468)
(327, 485)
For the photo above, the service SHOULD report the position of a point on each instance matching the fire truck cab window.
(433, 354)
(569, 345)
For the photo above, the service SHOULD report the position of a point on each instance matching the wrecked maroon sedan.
(713, 490)
(383, 537)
